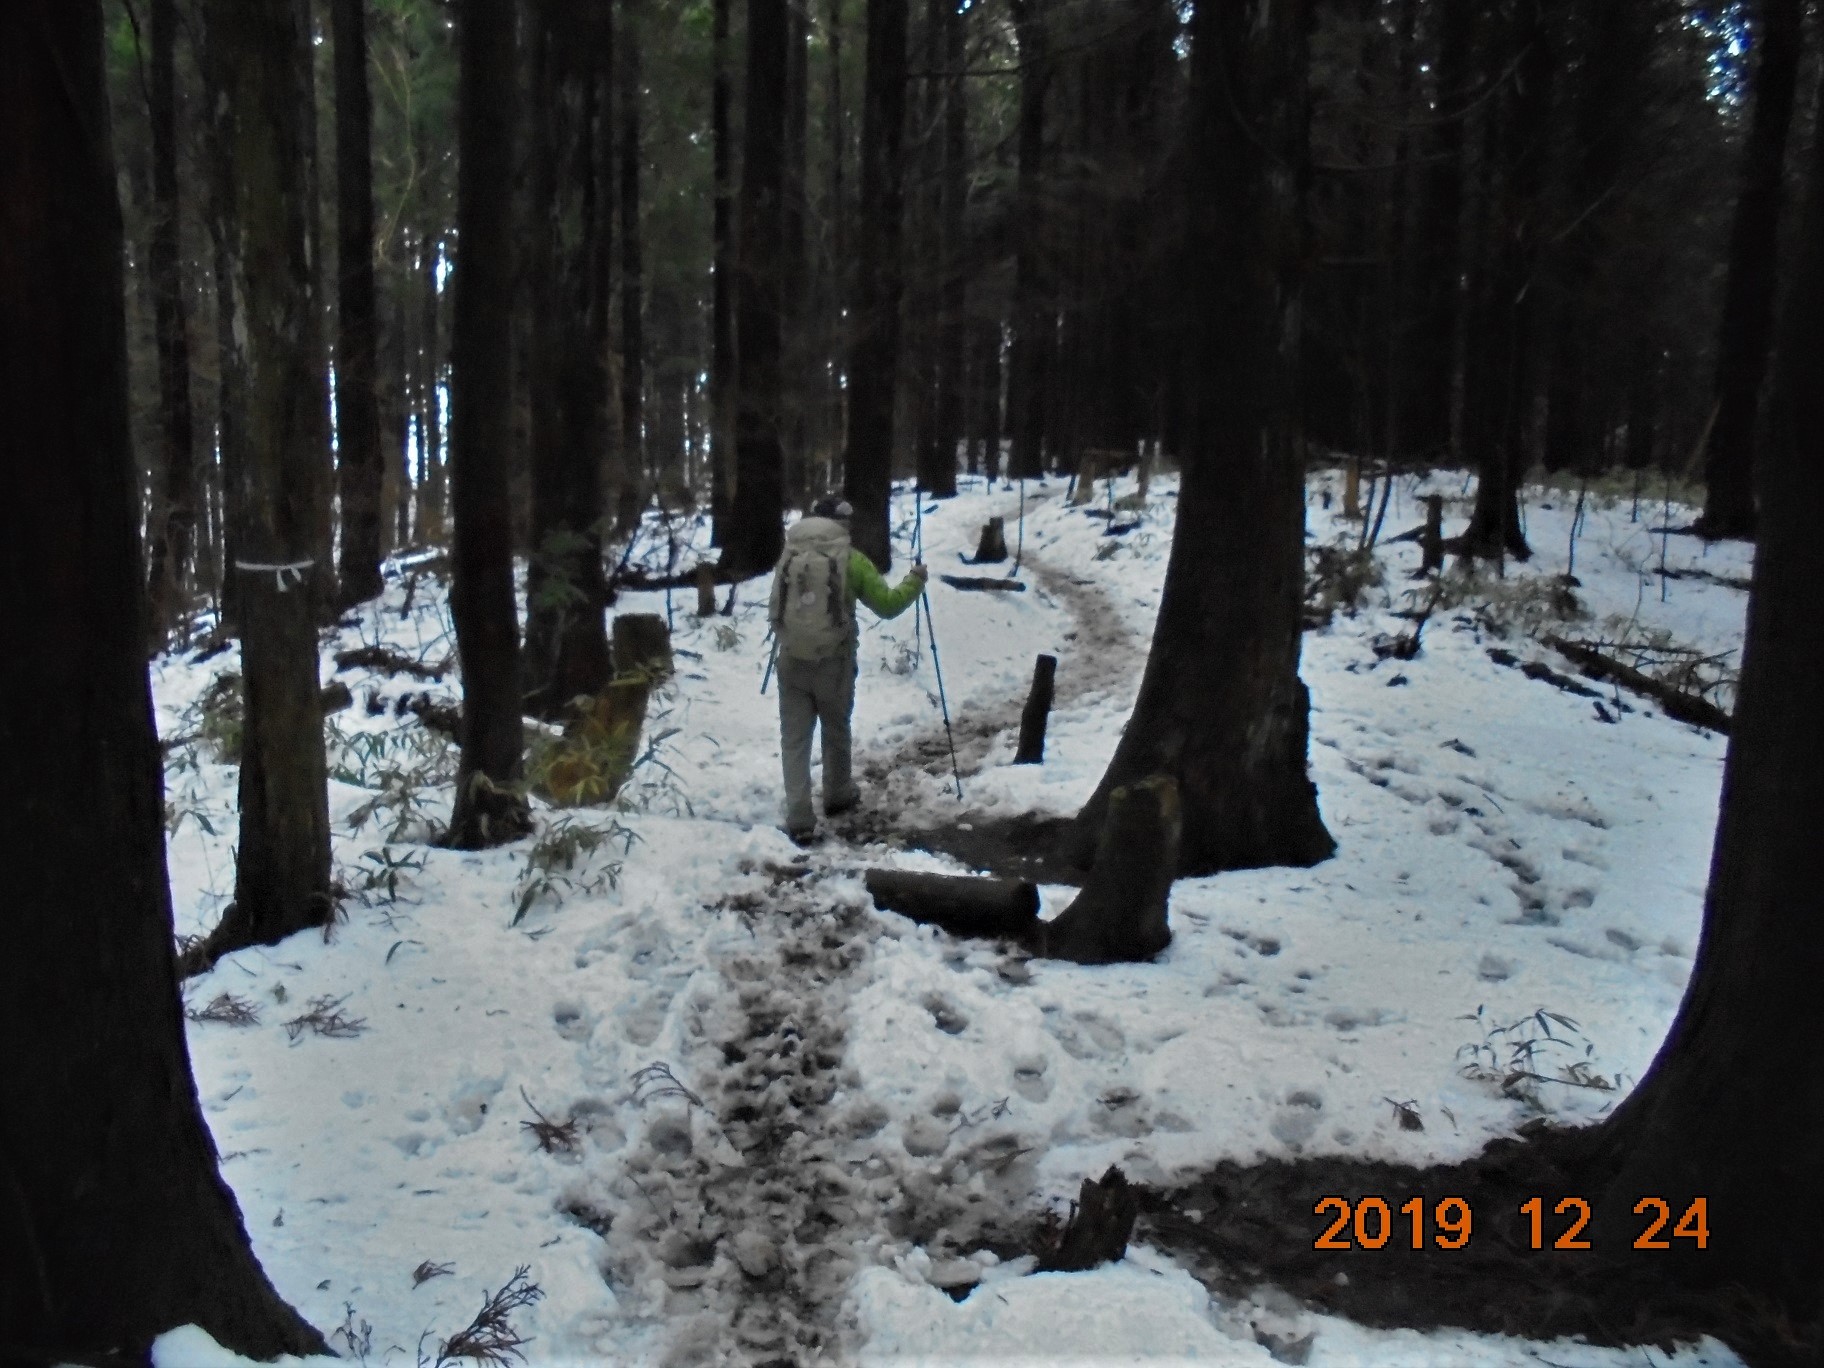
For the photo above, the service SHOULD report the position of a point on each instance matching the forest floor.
(721, 1109)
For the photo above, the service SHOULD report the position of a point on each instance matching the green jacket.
(869, 586)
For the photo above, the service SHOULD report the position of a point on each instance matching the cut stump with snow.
(1120, 916)
(1100, 1225)
(992, 547)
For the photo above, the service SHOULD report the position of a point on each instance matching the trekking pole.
(771, 656)
(942, 702)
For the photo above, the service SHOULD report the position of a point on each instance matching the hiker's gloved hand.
(919, 572)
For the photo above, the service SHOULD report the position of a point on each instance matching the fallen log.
(439, 715)
(597, 751)
(1121, 914)
(1539, 670)
(1036, 713)
(1011, 586)
(1684, 707)
(335, 696)
(390, 662)
(963, 905)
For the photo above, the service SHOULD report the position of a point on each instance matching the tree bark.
(1511, 304)
(1747, 324)
(173, 524)
(798, 380)
(571, 118)
(257, 60)
(432, 480)
(357, 406)
(1037, 712)
(1729, 1111)
(487, 809)
(115, 1225)
(756, 526)
(879, 282)
(963, 905)
(1221, 707)
(722, 312)
(1121, 913)
(953, 335)
(1032, 324)
(636, 477)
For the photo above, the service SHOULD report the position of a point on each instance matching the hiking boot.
(835, 807)
(801, 836)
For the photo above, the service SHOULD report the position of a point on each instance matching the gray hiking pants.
(815, 692)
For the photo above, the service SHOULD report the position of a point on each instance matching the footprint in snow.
(1086, 1036)
(948, 1017)
(572, 1021)
(1029, 1079)
(1296, 1122)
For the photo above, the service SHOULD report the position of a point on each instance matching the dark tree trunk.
(282, 877)
(756, 528)
(1032, 322)
(572, 113)
(173, 524)
(115, 1225)
(836, 215)
(879, 281)
(953, 335)
(636, 477)
(1221, 707)
(231, 383)
(722, 306)
(488, 810)
(1747, 327)
(308, 172)
(1441, 255)
(357, 408)
(1729, 1111)
(796, 387)
(1512, 310)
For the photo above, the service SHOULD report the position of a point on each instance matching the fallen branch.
(1537, 669)
(1699, 712)
(391, 662)
(960, 904)
(976, 582)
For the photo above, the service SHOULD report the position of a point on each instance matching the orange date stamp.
(1371, 1222)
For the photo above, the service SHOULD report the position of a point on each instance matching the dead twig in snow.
(490, 1337)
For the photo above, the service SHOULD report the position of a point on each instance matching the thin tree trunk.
(722, 310)
(756, 529)
(638, 477)
(357, 410)
(1747, 325)
(398, 422)
(431, 468)
(1032, 324)
(488, 809)
(173, 527)
(309, 174)
(282, 876)
(231, 383)
(879, 281)
(953, 337)
(1728, 1111)
(1221, 706)
(836, 215)
(118, 1224)
(795, 390)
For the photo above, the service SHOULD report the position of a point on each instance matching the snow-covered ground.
(847, 1105)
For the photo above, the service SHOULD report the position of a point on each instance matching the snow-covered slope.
(849, 1104)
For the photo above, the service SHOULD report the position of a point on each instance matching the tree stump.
(642, 645)
(963, 905)
(1099, 1226)
(1431, 540)
(706, 590)
(992, 547)
(599, 746)
(1120, 916)
(1036, 713)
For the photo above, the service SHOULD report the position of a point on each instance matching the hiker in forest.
(815, 586)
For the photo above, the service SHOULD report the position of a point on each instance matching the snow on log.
(978, 582)
(1684, 707)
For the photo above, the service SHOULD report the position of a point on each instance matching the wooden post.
(993, 544)
(1352, 490)
(706, 590)
(642, 645)
(1037, 711)
(1431, 541)
(1121, 913)
(962, 905)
